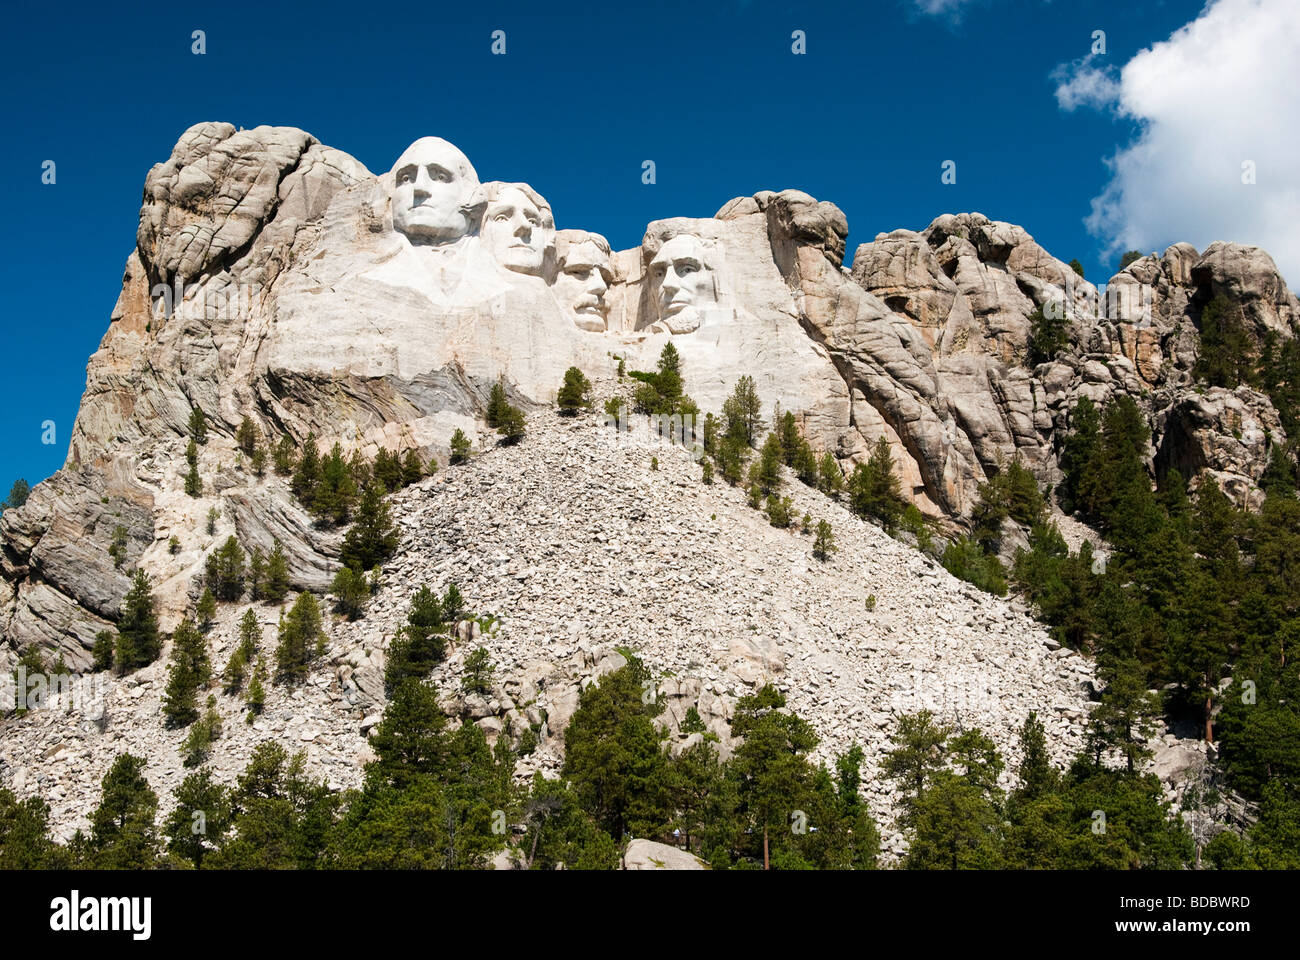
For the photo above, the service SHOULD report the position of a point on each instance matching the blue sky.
(710, 91)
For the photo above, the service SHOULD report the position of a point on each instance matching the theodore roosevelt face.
(584, 276)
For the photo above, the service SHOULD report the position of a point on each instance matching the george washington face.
(432, 183)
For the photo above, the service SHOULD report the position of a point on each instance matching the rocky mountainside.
(276, 279)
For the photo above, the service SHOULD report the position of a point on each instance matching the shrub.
(459, 447)
(824, 545)
(778, 511)
(964, 559)
(350, 592)
(574, 394)
(510, 424)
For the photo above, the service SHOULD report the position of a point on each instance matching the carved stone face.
(432, 183)
(584, 276)
(685, 281)
(517, 230)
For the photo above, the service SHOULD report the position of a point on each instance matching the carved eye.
(580, 273)
(684, 269)
(437, 173)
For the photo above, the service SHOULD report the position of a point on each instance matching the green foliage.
(510, 424)
(874, 489)
(824, 544)
(350, 591)
(830, 478)
(198, 426)
(285, 457)
(459, 447)
(138, 642)
(497, 404)
(778, 511)
(613, 754)
(189, 671)
(174, 545)
(247, 436)
(1077, 267)
(1128, 257)
(1048, 334)
(226, 571)
(105, 641)
(117, 548)
(203, 733)
(420, 644)
(1010, 494)
(277, 574)
(122, 833)
(372, 539)
(574, 394)
(1225, 356)
(201, 819)
(301, 639)
(477, 677)
(193, 482)
(18, 495)
(966, 560)
(742, 413)
(205, 611)
(25, 843)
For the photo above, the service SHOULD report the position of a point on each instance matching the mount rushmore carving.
(378, 310)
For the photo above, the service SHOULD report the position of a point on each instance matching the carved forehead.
(429, 150)
(579, 247)
(497, 191)
(681, 247)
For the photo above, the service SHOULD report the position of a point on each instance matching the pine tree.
(307, 474)
(199, 800)
(227, 571)
(105, 641)
(122, 834)
(138, 643)
(301, 639)
(497, 404)
(420, 644)
(830, 478)
(787, 430)
(766, 471)
(286, 456)
(203, 733)
(18, 495)
(256, 573)
(193, 482)
(412, 468)
(510, 424)
(206, 610)
(742, 412)
(372, 539)
(573, 395)
(257, 691)
(874, 489)
(350, 592)
(824, 545)
(198, 426)
(277, 574)
(188, 672)
(478, 672)
(459, 447)
(248, 436)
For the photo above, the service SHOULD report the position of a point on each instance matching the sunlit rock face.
(278, 279)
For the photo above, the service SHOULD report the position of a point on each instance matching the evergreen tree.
(200, 820)
(247, 436)
(824, 545)
(830, 478)
(420, 644)
(1225, 349)
(277, 574)
(301, 639)
(1048, 335)
(286, 456)
(193, 482)
(205, 610)
(227, 572)
(105, 642)
(742, 413)
(307, 473)
(478, 672)
(138, 643)
(918, 753)
(412, 468)
(256, 574)
(198, 426)
(574, 393)
(874, 489)
(372, 539)
(766, 471)
(510, 424)
(122, 834)
(350, 592)
(18, 495)
(497, 403)
(189, 671)
(459, 447)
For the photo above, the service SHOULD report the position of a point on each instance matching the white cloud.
(1085, 84)
(1222, 91)
(939, 8)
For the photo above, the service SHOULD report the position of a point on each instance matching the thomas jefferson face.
(583, 278)
(432, 181)
(517, 229)
(685, 282)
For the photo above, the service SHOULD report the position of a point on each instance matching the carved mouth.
(675, 307)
